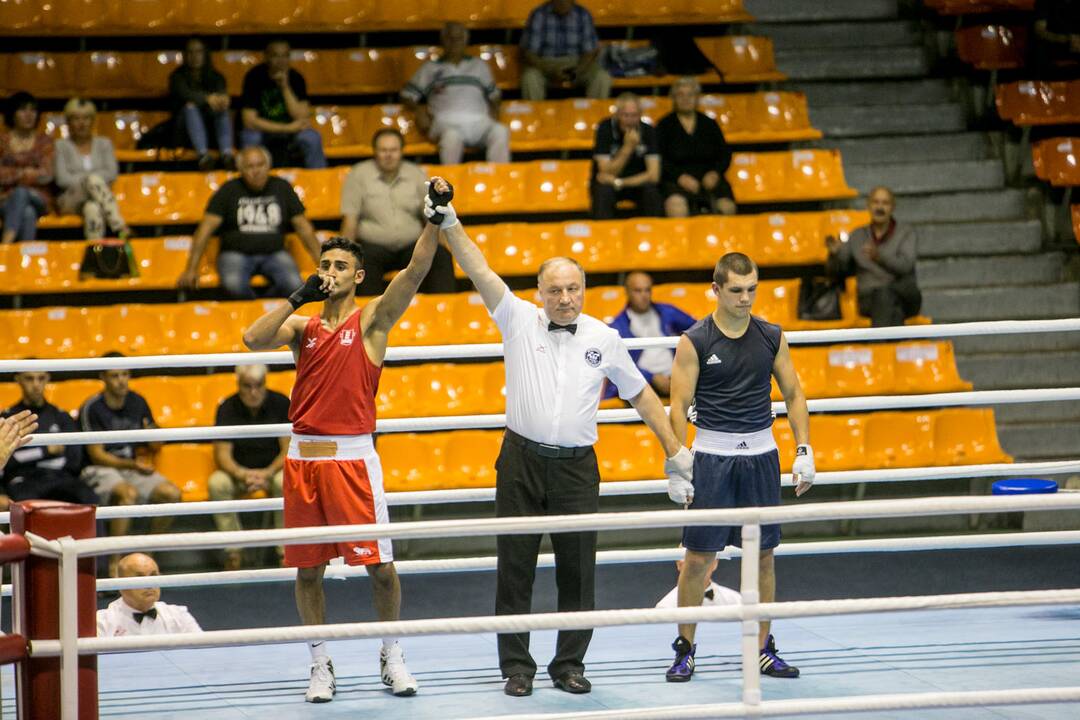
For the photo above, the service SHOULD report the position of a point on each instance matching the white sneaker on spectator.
(322, 686)
(394, 673)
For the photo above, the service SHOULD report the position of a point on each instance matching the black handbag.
(108, 260)
(819, 299)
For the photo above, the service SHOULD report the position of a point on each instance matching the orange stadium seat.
(840, 223)
(152, 198)
(188, 466)
(412, 461)
(557, 186)
(15, 333)
(43, 266)
(425, 322)
(340, 14)
(577, 121)
(515, 248)
(598, 245)
(694, 299)
(142, 15)
(495, 187)
(48, 75)
(731, 113)
(777, 301)
(789, 239)
(756, 177)
(899, 439)
(74, 16)
(652, 108)
(531, 124)
(168, 400)
(504, 62)
(366, 70)
(234, 64)
(71, 395)
(604, 303)
(1074, 210)
(656, 243)
(140, 329)
(319, 190)
(713, 236)
(153, 69)
(405, 13)
(397, 391)
(628, 452)
(810, 365)
(319, 69)
(22, 15)
(860, 370)
(65, 332)
(9, 392)
(1038, 102)
(841, 441)
(396, 116)
(471, 321)
(215, 15)
(209, 391)
(817, 174)
(776, 117)
(741, 59)
(205, 328)
(494, 388)
(125, 128)
(337, 132)
(992, 47)
(281, 381)
(109, 74)
(275, 15)
(966, 436)
(470, 458)
(927, 367)
(1056, 161)
(785, 442)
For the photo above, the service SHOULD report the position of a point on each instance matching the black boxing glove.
(310, 291)
(439, 199)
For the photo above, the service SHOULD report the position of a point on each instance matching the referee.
(557, 360)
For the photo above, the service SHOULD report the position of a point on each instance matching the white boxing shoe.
(394, 673)
(322, 686)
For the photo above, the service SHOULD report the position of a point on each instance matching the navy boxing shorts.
(733, 481)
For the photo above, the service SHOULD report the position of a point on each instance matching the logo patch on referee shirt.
(593, 357)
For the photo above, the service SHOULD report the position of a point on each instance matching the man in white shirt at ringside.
(139, 611)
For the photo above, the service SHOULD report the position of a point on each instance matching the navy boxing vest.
(733, 387)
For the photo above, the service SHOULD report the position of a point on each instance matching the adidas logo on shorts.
(742, 446)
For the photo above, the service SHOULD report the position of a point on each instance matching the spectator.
(85, 169)
(251, 215)
(456, 101)
(559, 44)
(694, 157)
(275, 109)
(26, 169)
(247, 466)
(882, 257)
(381, 206)
(44, 472)
(626, 162)
(644, 318)
(199, 100)
(122, 473)
(139, 611)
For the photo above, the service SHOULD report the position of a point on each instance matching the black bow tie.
(709, 594)
(571, 328)
(151, 613)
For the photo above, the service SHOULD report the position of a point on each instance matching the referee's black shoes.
(518, 685)
(573, 683)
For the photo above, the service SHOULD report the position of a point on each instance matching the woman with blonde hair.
(85, 170)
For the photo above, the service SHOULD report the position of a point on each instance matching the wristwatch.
(618, 183)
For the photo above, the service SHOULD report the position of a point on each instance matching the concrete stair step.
(979, 238)
(881, 33)
(871, 62)
(1020, 302)
(803, 11)
(958, 207)
(909, 148)
(1007, 270)
(1026, 344)
(921, 177)
(1040, 441)
(1045, 412)
(1014, 371)
(878, 120)
(924, 91)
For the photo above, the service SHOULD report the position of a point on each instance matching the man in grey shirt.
(381, 206)
(882, 257)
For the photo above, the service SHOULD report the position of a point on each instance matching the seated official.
(644, 318)
(250, 465)
(44, 472)
(140, 611)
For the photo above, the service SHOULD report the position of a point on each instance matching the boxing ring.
(874, 656)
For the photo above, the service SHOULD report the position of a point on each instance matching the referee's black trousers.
(528, 484)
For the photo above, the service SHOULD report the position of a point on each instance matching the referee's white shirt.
(118, 619)
(554, 379)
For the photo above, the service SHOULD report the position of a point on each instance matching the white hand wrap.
(447, 210)
(679, 469)
(803, 468)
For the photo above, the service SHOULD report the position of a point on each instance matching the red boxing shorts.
(334, 480)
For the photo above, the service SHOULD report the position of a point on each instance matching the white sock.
(389, 642)
(318, 651)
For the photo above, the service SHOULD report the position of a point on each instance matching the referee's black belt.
(545, 450)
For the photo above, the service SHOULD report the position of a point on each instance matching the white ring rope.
(607, 489)
(560, 621)
(845, 510)
(487, 350)
(494, 421)
(611, 557)
(816, 706)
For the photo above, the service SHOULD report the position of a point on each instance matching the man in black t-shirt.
(123, 473)
(251, 465)
(275, 109)
(251, 215)
(626, 162)
(45, 472)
